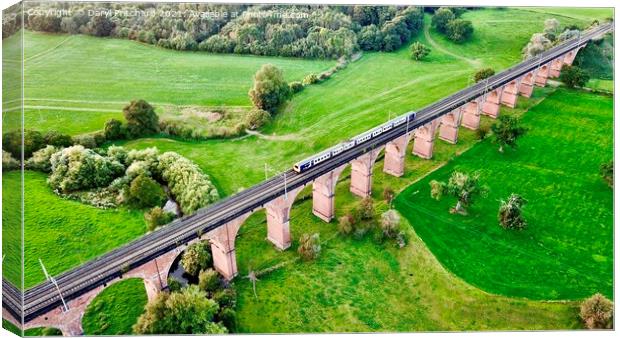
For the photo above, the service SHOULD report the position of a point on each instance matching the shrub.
(538, 43)
(437, 189)
(141, 119)
(597, 312)
(388, 195)
(196, 257)
(257, 118)
(366, 209)
(442, 17)
(57, 139)
(145, 192)
(40, 159)
(510, 213)
(482, 132)
(483, 74)
(118, 154)
(419, 51)
(573, 76)
(507, 130)
(208, 280)
(86, 140)
(270, 89)
(228, 317)
(296, 87)
(174, 284)
(370, 38)
(310, 79)
(390, 221)
(12, 142)
(459, 30)
(113, 130)
(8, 162)
(607, 172)
(309, 246)
(226, 298)
(345, 224)
(157, 217)
(77, 168)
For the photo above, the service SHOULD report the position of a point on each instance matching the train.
(336, 150)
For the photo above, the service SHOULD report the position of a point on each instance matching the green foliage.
(196, 257)
(438, 189)
(388, 195)
(186, 312)
(482, 132)
(507, 130)
(157, 217)
(270, 89)
(57, 139)
(256, 118)
(228, 317)
(12, 142)
(85, 140)
(77, 168)
(483, 74)
(8, 162)
(596, 58)
(209, 280)
(390, 222)
(310, 79)
(345, 224)
(40, 159)
(370, 38)
(296, 87)
(174, 285)
(141, 119)
(510, 213)
(442, 17)
(366, 209)
(465, 187)
(419, 51)
(113, 130)
(309, 246)
(607, 172)
(145, 192)
(226, 298)
(573, 76)
(459, 30)
(537, 45)
(597, 312)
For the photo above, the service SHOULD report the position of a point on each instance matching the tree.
(607, 173)
(345, 224)
(40, 159)
(419, 51)
(196, 257)
(208, 280)
(573, 76)
(370, 38)
(256, 118)
(459, 30)
(483, 74)
(552, 28)
(388, 195)
(309, 246)
(507, 131)
(538, 43)
(141, 119)
(188, 311)
(113, 129)
(55, 138)
(597, 312)
(390, 221)
(510, 212)
(12, 142)
(441, 19)
(465, 187)
(8, 162)
(157, 217)
(366, 209)
(270, 89)
(145, 192)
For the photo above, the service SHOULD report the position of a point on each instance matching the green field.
(567, 250)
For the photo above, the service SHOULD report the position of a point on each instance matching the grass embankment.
(566, 252)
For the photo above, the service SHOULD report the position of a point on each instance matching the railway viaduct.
(154, 272)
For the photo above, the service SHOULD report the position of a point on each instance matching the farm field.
(566, 252)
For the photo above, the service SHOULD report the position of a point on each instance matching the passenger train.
(312, 161)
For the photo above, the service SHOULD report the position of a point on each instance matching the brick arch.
(323, 194)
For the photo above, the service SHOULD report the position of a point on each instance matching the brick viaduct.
(222, 239)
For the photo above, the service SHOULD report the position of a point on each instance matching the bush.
(174, 284)
(370, 38)
(388, 195)
(366, 209)
(310, 79)
(270, 89)
(77, 168)
(607, 173)
(113, 130)
(226, 298)
(390, 221)
(145, 192)
(597, 312)
(482, 132)
(257, 118)
(309, 246)
(86, 140)
(8, 162)
(157, 217)
(345, 224)
(57, 139)
(12, 142)
(228, 317)
(459, 30)
(40, 159)
(141, 119)
(296, 87)
(483, 74)
(573, 76)
(209, 280)
(419, 51)
(196, 257)
(443, 16)
(510, 213)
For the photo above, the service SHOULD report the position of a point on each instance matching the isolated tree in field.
(187, 311)
(419, 51)
(270, 89)
(141, 119)
(597, 312)
(459, 30)
(607, 172)
(196, 258)
(390, 221)
(483, 74)
(510, 213)
(146, 192)
(256, 118)
(507, 130)
(573, 76)
(441, 19)
(309, 246)
(465, 187)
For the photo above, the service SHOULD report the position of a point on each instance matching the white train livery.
(310, 162)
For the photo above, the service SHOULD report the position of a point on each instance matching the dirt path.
(287, 137)
(472, 62)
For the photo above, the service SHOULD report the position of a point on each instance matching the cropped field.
(566, 252)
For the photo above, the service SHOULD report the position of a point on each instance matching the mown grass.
(115, 309)
(566, 252)
(64, 233)
(603, 85)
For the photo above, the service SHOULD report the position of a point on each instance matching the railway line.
(75, 282)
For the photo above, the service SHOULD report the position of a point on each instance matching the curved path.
(472, 62)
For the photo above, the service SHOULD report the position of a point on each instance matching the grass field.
(115, 309)
(567, 250)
